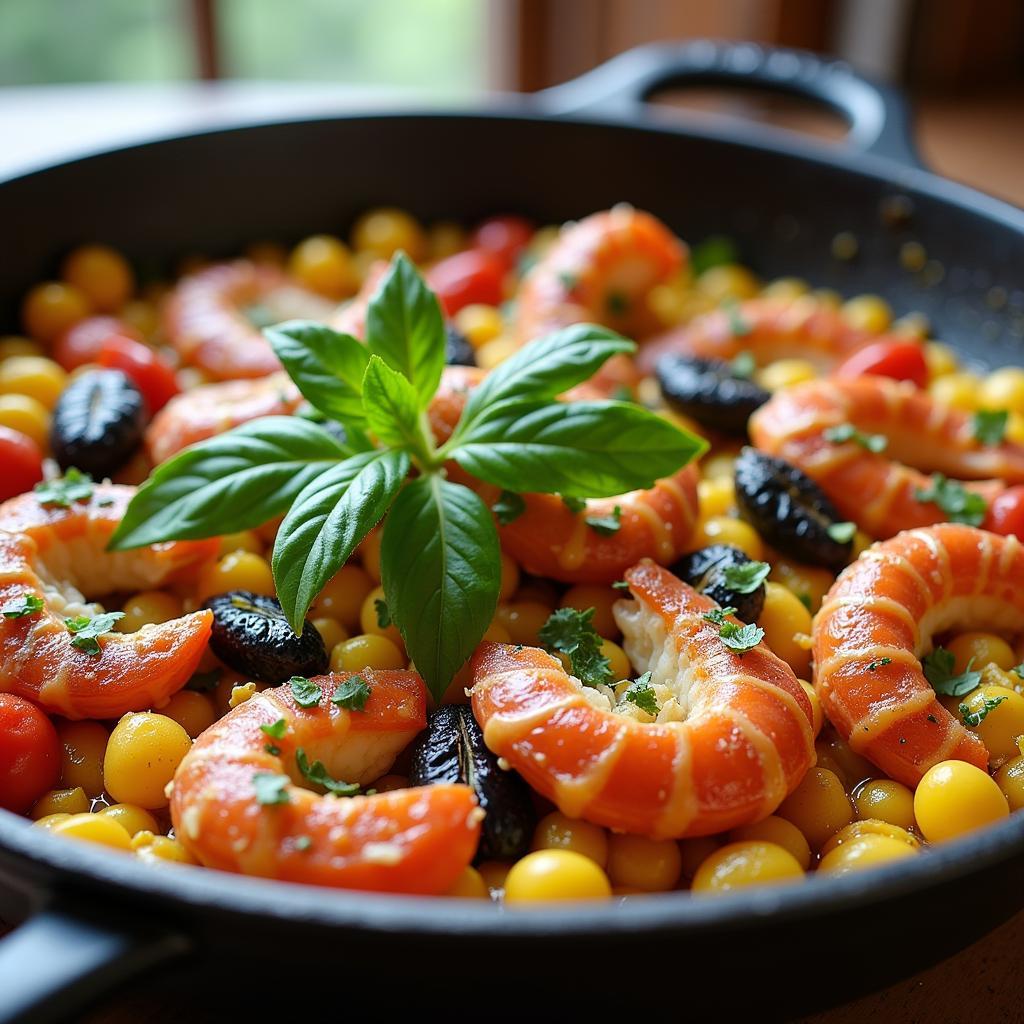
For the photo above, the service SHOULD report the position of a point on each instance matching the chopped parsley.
(60, 492)
(738, 327)
(959, 504)
(271, 788)
(318, 775)
(879, 663)
(736, 638)
(717, 615)
(990, 425)
(87, 630)
(608, 525)
(620, 585)
(938, 670)
(842, 533)
(746, 577)
(975, 718)
(848, 432)
(383, 615)
(743, 365)
(641, 693)
(352, 694)
(18, 607)
(572, 632)
(509, 507)
(574, 505)
(275, 730)
(306, 693)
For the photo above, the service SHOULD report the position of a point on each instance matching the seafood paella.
(504, 562)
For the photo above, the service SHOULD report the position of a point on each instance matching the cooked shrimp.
(211, 409)
(55, 553)
(768, 328)
(408, 840)
(877, 490)
(879, 619)
(206, 317)
(732, 739)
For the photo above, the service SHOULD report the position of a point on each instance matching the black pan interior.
(783, 202)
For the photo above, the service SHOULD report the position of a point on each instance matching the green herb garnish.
(319, 776)
(743, 365)
(879, 663)
(306, 693)
(352, 694)
(741, 638)
(18, 607)
(975, 718)
(88, 629)
(938, 670)
(607, 525)
(574, 505)
(990, 425)
(718, 615)
(714, 251)
(303, 843)
(738, 327)
(848, 432)
(746, 577)
(641, 693)
(959, 504)
(275, 730)
(271, 788)
(841, 533)
(508, 508)
(60, 492)
(440, 557)
(572, 632)
(1018, 670)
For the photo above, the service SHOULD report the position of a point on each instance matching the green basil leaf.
(441, 568)
(587, 449)
(235, 481)
(392, 407)
(327, 366)
(405, 328)
(545, 368)
(328, 519)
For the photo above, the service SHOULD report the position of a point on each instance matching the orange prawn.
(404, 841)
(879, 619)
(206, 320)
(881, 490)
(732, 738)
(768, 328)
(54, 553)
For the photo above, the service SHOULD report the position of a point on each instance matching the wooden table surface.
(977, 140)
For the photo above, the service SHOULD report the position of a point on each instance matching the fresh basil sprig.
(440, 557)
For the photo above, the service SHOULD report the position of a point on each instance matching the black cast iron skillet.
(95, 919)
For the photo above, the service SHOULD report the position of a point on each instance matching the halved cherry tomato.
(22, 461)
(30, 753)
(81, 344)
(1006, 513)
(150, 374)
(505, 237)
(467, 278)
(901, 360)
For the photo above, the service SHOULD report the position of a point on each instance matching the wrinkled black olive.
(457, 349)
(708, 391)
(97, 423)
(252, 636)
(789, 510)
(705, 569)
(452, 749)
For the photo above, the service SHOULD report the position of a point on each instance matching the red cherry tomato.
(901, 360)
(81, 344)
(22, 462)
(505, 237)
(467, 278)
(150, 374)
(30, 753)
(1006, 513)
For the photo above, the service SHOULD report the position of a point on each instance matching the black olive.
(252, 636)
(705, 571)
(97, 423)
(457, 349)
(789, 510)
(709, 391)
(452, 749)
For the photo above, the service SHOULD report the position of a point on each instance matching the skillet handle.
(877, 115)
(59, 960)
